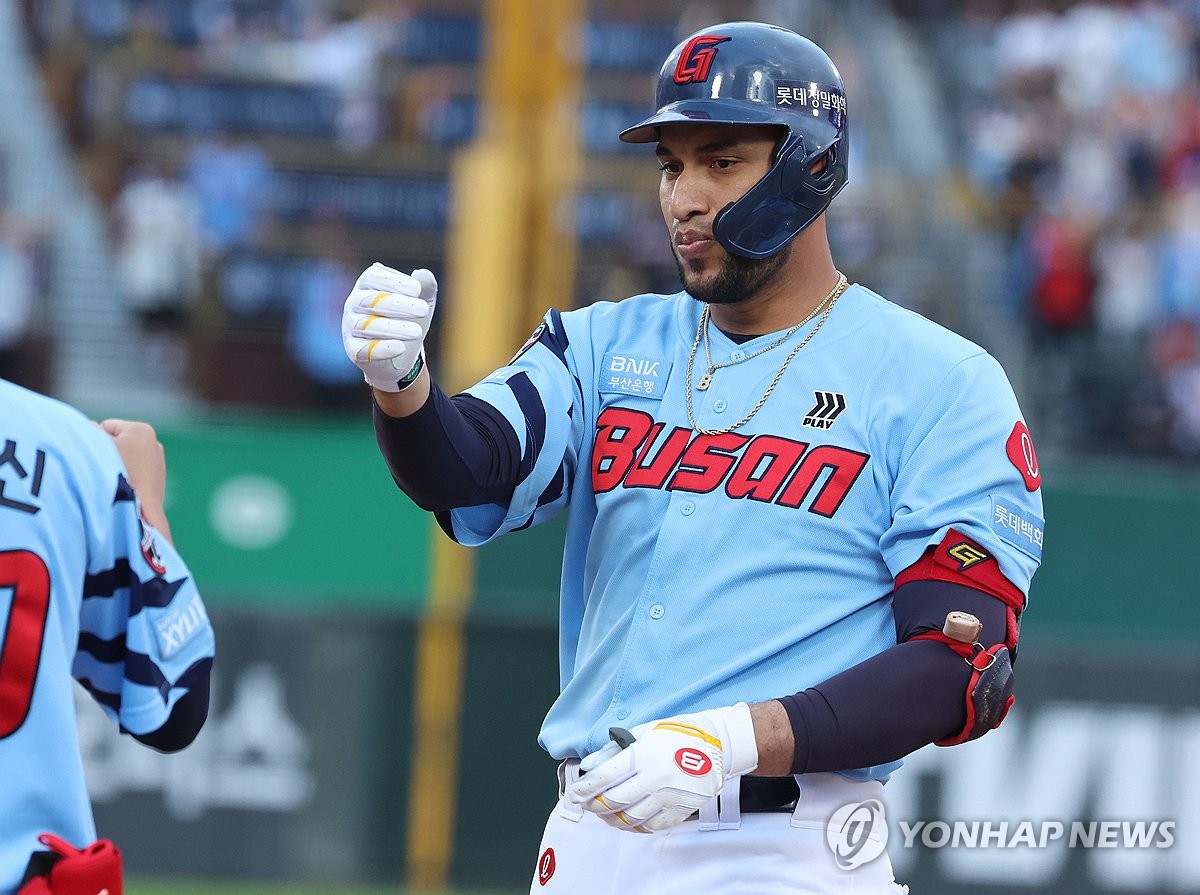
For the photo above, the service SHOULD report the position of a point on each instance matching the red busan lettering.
(665, 459)
(631, 451)
(706, 462)
(845, 466)
(618, 437)
(777, 457)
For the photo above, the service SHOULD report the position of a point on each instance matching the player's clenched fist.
(674, 767)
(384, 323)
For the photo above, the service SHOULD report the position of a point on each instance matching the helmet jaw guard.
(783, 203)
(755, 74)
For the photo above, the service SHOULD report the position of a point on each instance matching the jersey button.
(687, 508)
(657, 611)
(738, 355)
(720, 406)
(623, 714)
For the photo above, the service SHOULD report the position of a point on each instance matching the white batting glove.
(384, 323)
(673, 768)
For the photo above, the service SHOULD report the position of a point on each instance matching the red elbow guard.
(989, 692)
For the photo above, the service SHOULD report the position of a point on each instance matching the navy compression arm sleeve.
(453, 452)
(187, 715)
(908, 696)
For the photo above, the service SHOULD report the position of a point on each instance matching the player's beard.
(736, 279)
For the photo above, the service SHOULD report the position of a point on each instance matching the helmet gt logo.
(693, 762)
(697, 58)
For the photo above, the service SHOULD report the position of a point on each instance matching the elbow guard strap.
(989, 693)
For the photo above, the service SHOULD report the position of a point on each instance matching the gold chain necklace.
(702, 334)
(706, 317)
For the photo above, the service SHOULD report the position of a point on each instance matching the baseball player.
(91, 589)
(778, 484)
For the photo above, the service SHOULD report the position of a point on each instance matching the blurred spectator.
(1028, 43)
(1128, 285)
(1059, 256)
(1183, 396)
(344, 54)
(158, 249)
(330, 49)
(1063, 280)
(1176, 353)
(1181, 254)
(18, 295)
(314, 326)
(232, 179)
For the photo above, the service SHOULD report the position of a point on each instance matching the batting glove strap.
(411, 376)
(673, 768)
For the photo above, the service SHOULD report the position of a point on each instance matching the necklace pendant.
(705, 382)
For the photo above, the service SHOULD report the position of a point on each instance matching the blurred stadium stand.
(355, 109)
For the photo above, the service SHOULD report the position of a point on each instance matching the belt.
(759, 794)
(755, 794)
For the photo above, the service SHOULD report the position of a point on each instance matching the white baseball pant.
(723, 851)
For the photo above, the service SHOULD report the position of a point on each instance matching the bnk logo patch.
(628, 374)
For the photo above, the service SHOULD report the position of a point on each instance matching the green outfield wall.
(295, 514)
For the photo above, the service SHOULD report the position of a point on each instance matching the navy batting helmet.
(751, 73)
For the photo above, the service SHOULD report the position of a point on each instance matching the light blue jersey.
(702, 570)
(86, 591)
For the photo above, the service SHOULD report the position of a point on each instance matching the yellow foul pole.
(510, 255)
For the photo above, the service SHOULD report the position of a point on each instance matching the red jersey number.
(24, 630)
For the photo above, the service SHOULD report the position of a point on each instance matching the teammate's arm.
(145, 466)
(185, 721)
(153, 678)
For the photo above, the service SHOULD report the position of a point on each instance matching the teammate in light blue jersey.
(802, 521)
(91, 590)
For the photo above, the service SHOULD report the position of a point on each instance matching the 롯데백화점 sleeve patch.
(1018, 527)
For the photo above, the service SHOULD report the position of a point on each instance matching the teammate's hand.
(384, 323)
(673, 768)
(145, 466)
